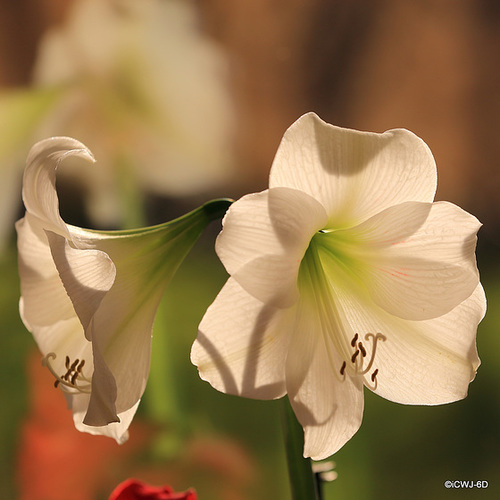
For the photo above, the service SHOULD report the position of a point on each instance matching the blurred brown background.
(429, 66)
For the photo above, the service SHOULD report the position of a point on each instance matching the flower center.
(72, 381)
(329, 271)
(360, 363)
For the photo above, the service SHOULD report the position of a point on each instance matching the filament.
(73, 381)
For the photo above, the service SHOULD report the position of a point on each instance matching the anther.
(354, 356)
(362, 349)
(342, 369)
(354, 340)
(374, 374)
(73, 381)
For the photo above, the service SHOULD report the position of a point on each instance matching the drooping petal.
(263, 240)
(44, 300)
(241, 345)
(39, 191)
(116, 430)
(328, 406)
(45, 308)
(87, 275)
(419, 258)
(122, 337)
(353, 174)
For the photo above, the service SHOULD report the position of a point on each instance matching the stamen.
(354, 356)
(374, 380)
(342, 369)
(362, 349)
(69, 381)
(375, 338)
(80, 366)
(359, 366)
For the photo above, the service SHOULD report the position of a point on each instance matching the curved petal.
(329, 407)
(39, 191)
(87, 275)
(116, 430)
(429, 272)
(241, 345)
(44, 300)
(122, 333)
(264, 238)
(354, 175)
(416, 362)
(431, 362)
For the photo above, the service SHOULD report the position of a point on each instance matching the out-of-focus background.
(186, 101)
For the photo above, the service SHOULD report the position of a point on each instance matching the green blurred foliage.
(400, 451)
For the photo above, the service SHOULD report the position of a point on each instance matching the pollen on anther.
(374, 374)
(354, 340)
(362, 349)
(342, 368)
(354, 356)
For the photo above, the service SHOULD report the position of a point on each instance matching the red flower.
(132, 489)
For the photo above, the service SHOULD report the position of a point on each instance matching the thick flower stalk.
(344, 274)
(90, 297)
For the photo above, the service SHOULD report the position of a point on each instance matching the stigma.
(72, 381)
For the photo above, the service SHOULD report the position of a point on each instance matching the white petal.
(122, 332)
(87, 275)
(354, 175)
(44, 300)
(263, 240)
(329, 409)
(101, 410)
(39, 191)
(420, 362)
(241, 345)
(45, 308)
(431, 362)
(115, 430)
(425, 274)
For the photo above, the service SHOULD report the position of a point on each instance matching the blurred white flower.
(344, 273)
(90, 297)
(141, 84)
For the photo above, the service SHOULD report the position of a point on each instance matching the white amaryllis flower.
(344, 273)
(142, 84)
(90, 297)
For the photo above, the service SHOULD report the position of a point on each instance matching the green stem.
(131, 197)
(302, 481)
